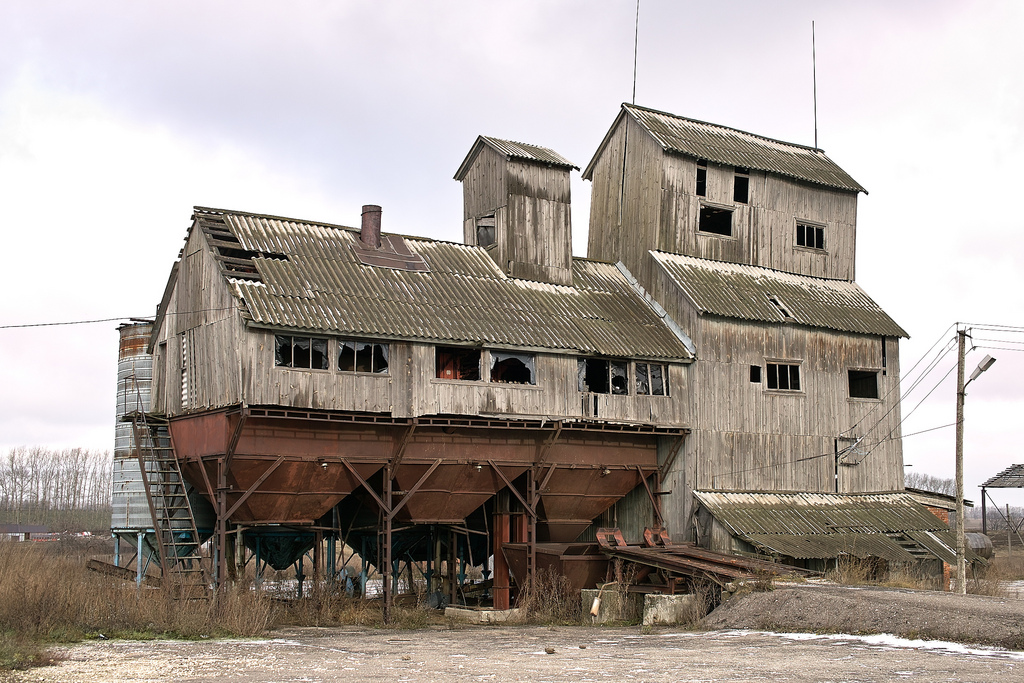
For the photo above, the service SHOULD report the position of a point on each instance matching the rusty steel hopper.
(583, 564)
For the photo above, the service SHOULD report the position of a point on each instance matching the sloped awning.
(891, 526)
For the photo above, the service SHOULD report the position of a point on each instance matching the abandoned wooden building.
(405, 395)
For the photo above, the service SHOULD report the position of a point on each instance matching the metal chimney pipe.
(370, 233)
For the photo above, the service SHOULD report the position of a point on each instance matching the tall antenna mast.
(636, 36)
(814, 77)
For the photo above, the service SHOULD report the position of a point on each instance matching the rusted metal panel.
(732, 147)
(582, 564)
(735, 290)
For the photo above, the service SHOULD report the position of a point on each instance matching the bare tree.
(927, 482)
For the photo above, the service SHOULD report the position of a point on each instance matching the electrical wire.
(108, 320)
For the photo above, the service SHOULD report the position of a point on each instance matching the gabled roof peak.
(732, 147)
(514, 150)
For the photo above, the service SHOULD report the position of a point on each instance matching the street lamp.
(961, 541)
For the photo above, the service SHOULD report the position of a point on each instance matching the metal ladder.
(174, 526)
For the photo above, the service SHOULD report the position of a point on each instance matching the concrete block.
(663, 610)
(615, 605)
(470, 615)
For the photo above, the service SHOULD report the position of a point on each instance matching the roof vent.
(370, 232)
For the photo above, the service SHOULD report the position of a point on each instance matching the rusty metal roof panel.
(733, 147)
(514, 150)
(311, 277)
(1010, 478)
(735, 290)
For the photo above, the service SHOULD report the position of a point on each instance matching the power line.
(109, 320)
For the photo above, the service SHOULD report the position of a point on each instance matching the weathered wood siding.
(203, 315)
(530, 203)
(229, 363)
(624, 222)
(659, 209)
(749, 438)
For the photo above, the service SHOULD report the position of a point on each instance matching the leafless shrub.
(550, 599)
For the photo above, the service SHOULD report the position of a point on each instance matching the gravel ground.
(579, 654)
(824, 608)
(732, 652)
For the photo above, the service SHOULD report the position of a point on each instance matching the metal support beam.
(255, 485)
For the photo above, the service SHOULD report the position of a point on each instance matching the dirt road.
(520, 654)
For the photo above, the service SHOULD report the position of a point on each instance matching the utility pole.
(985, 364)
(961, 561)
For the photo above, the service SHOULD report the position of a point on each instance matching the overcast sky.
(117, 117)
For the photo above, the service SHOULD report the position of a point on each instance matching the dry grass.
(550, 599)
(47, 596)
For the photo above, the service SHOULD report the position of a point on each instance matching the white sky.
(117, 117)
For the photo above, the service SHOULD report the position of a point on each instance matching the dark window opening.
(365, 357)
(783, 377)
(651, 379)
(457, 363)
(512, 368)
(810, 236)
(485, 231)
(715, 221)
(741, 186)
(300, 352)
(702, 178)
(603, 376)
(755, 374)
(863, 384)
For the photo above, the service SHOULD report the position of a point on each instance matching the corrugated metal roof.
(823, 525)
(514, 150)
(733, 147)
(1010, 478)
(734, 290)
(321, 285)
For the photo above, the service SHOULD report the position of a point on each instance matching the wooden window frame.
(386, 353)
(718, 208)
(817, 227)
(877, 372)
(666, 386)
(786, 363)
(292, 337)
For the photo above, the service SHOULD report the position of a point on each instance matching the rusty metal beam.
(251, 489)
(235, 436)
(396, 457)
(670, 459)
(542, 450)
(650, 494)
(511, 488)
(386, 508)
(416, 487)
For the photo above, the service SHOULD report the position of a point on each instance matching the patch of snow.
(891, 641)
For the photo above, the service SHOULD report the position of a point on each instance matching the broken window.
(863, 383)
(300, 352)
(702, 178)
(783, 377)
(741, 185)
(513, 368)
(652, 379)
(485, 231)
(603, 376)
(810, 236)
(755, 374)
(452, 362)
(355, 356)
(716, 221)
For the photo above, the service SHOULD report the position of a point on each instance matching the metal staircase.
(177, 540)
